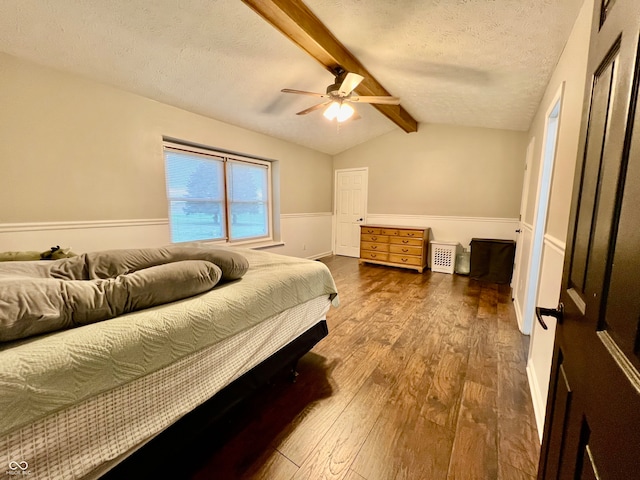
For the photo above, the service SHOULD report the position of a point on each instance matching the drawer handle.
(374, 238)
(405, 250)
(405, 241)
(369, 231)
(404, 259)
(410, 234)
(373, 255)
(373, 247)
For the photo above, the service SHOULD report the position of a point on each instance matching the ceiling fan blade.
(351, 81)
(313, 109)
(302, 92)
(374, 99)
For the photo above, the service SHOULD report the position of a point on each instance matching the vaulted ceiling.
(464, 62)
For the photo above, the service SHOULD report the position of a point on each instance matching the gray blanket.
(40, 297)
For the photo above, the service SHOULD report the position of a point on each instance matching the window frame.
(225, 158)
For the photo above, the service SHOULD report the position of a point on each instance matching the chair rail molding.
(453, 228)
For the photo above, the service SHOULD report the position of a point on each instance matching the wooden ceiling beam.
(294, 19)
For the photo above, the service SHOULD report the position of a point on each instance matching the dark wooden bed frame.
(148, 462)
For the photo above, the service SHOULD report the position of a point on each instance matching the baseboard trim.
(517, 307)
(539, 404)
(320, 255)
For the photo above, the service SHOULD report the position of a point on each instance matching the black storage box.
(492, 260)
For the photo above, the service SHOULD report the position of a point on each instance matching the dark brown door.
(592, 425)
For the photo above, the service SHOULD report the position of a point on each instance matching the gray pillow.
(111, 263)
(32, 306)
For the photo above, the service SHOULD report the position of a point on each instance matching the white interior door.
(520, 270)
(351, 206)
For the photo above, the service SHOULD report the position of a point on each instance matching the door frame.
(334, 221)
(543, 197)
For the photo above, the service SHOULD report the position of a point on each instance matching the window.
(216, 196)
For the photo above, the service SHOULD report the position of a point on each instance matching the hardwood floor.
(422, 376)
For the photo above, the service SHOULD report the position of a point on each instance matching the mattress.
(76, 442)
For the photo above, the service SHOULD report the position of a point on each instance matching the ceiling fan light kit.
(340, 94)
(339, 111)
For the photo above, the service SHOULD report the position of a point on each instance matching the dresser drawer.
(410, 233)
(405, 250)
(417, 242)
(389, 231)
(405, 259)
(376, 247)
(380, 256)
(370, 231)
(374, 238)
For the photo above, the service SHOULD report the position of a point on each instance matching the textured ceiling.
(465, 62)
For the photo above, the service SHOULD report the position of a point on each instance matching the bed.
(76, 402)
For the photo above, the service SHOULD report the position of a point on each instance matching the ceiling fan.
(340, 94)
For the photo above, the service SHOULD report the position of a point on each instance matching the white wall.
(306, 235)
(571, 69)
(463, 182)
(82, 165)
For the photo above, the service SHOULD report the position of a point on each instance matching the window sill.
(261, 245)
(252, 245)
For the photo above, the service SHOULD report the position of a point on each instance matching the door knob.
(360, 220)
(518, 231)
(557, 313)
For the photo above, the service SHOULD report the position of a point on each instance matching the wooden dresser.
(406, 247)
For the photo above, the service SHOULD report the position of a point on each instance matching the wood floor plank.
(353, 476)
(518, 443)
(488, 301)
(483, 353)
(475, 452)
(442, 402)
(272, 465)
(513, 388)
(507, 472)
(372, 344)
(260, 421)
(404, 444)
(299, 439)
(413, 446)
(337, 449)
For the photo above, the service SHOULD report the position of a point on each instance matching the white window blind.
(213, 196)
